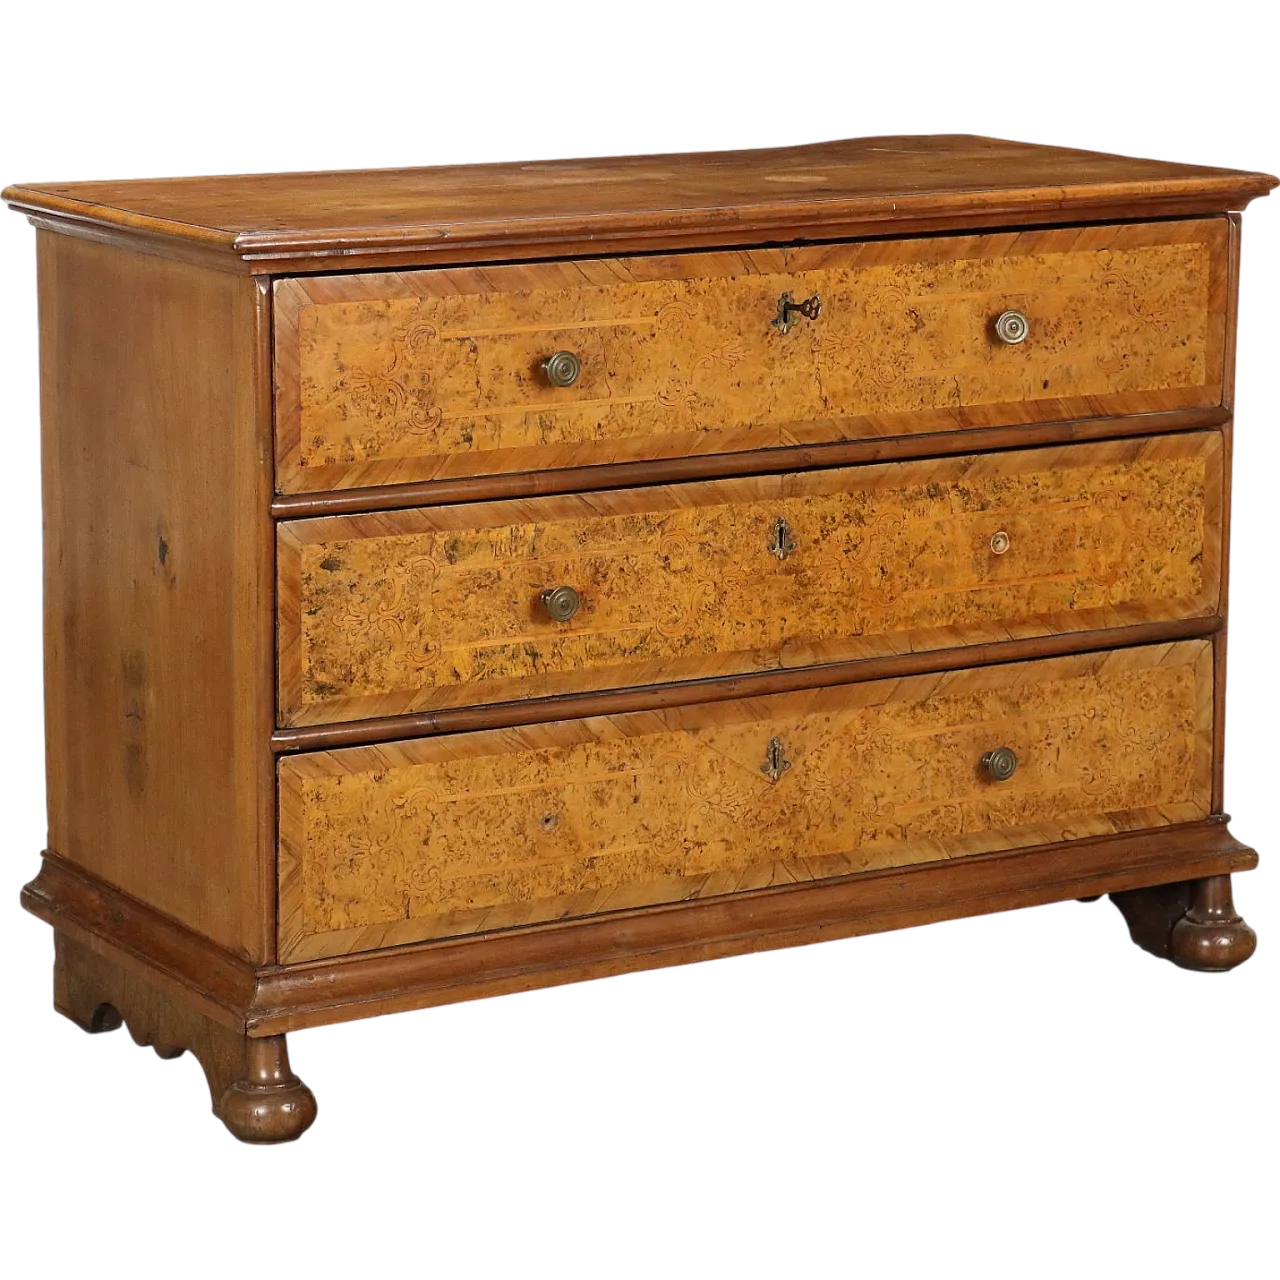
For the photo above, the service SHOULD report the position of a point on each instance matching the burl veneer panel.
(473, 832)
(431, 608)
(432, 374)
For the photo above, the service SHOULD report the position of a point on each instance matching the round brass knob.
(562, 368)
(999, 543)
(1012, 327)
(1000, 764)
(561, 603)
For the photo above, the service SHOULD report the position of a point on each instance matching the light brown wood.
(771, 720)
(1228, 441)
(446, 836)
(256, 659)
(193, 252)
(1232, 309)
(158, 585)
(860, 186)
(414, 610)
(272, 1000)
(655, 697)
(415, 977)
(144, 943)
(626, 475)
(254, 1092)
(436, 374)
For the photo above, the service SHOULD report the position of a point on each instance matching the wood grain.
(158, 584)
(254, 1092)
(146, 944)
(428, 609)
(725, 751)
(1195, 924)
(862, 186)
(435, 973)
(1228, 445)
(840, 453)
(435, 374)
(271, 1000)
(655, 697)
(439, 837)
(255, 681)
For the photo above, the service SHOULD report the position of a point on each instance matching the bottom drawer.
(438, 837)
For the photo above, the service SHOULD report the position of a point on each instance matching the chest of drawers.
(464, 580)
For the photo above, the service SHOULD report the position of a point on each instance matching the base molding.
(263, 1001)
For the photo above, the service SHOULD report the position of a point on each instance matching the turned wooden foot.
(254, 1093)
(1193, 923)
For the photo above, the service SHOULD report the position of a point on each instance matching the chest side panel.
(158, 588)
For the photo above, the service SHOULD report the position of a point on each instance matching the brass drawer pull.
(810, 308)
(562, 368)
(781, 543)
(999, 543)
(561, 603)
(1012, 327)
(775, 760)
(1000, 764)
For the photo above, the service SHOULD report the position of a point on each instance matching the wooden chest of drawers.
(464, 580)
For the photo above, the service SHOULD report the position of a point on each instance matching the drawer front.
(436, 374)
(424, 609)
(467, 833)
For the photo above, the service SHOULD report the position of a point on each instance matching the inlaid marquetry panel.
(435, 373)
(472, 832)
(421, 609)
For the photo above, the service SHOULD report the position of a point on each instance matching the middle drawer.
(421, 609)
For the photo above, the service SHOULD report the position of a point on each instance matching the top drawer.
(436, 374)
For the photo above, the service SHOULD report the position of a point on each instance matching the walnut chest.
(464, 580)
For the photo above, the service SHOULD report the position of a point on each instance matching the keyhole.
(810, 309)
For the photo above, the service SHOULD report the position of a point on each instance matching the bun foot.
(1211, 937)
(269, 1103)
(254, 1092)
(1193, 923)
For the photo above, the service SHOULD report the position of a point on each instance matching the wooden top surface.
(860, 186)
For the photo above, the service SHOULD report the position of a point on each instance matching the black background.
(952, 1033)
